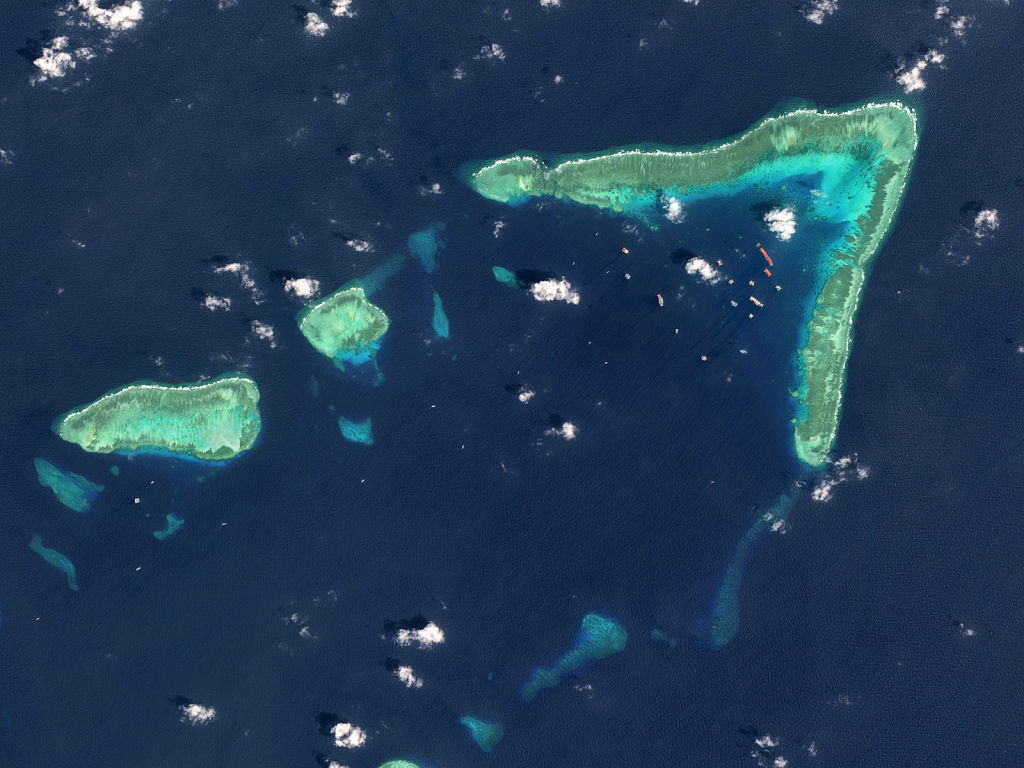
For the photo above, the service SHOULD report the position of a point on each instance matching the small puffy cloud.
(54, 60)
(315, 26)
(241, 270)
(816, 11)
(781, 222)
(302, 287)
(492, 52)
(842, 469)
(459, 73)
(430, 189)
(348, 736)
(986, 222)
(526, 395)
(343, 9)
(213, 302)
(341, 97)
(702, 269)
(960, 25)
(408, 677)
(359, 246)
(567, 431)
(117, 18)
(555, 290)
(499, 225)
(550, 3)
(911, 76)
(674, 210)
(264, 332)
(6, 157)
(196, 714)
(941, 12)
(424, 637)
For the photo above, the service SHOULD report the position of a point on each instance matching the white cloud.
(960, 25)
(264, 332)
(566, 431)
(427, 637)
(348, 736)
(526, 395)
(674, 210)
(341, 97)
(432, 189)
(459, 73)
(817, 10)
(6, 157)
(941, 11)
(550, 3)
(302, 287)
(911, 77)
(242, 271)
(842, 469)
(359, 246)
(408, 676)
(213, 302)
(703, 269)
(117, 18)
(197, 714)
(343, 9)
(54, 61)
(492, 52)
(555, 290)
(985, 223)
(781, 221)
(315, 26)
(499, 225)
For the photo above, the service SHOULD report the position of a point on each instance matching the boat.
(661, 301)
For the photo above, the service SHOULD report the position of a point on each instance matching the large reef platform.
(862, 156)
(344, 326)
(213, 420)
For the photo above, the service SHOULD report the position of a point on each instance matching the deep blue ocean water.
(204, 137)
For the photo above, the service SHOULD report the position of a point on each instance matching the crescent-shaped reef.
(861, 157)
(213, 420)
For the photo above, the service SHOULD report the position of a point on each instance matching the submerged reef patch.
(439, 322)
(73, 491)
(505, 277)
(598, 638)
(174, 524)
(211, 420)
(484, 733)
(425, 244)
(724, 617)
(860, 157)
(345, 326)
(56, 559)
(356, 431)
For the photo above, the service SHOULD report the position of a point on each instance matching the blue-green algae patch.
(484, 733)
(73, 491)
(172, 526)
(425, 244)
(56, 559)
(356, 431)
(439, 322)
(599, 637)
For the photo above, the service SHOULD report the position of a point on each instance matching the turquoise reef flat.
(211, 420)
(861, 157)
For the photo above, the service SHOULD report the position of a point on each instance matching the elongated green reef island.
(344, 326)
(213, 420)
(863, 156)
